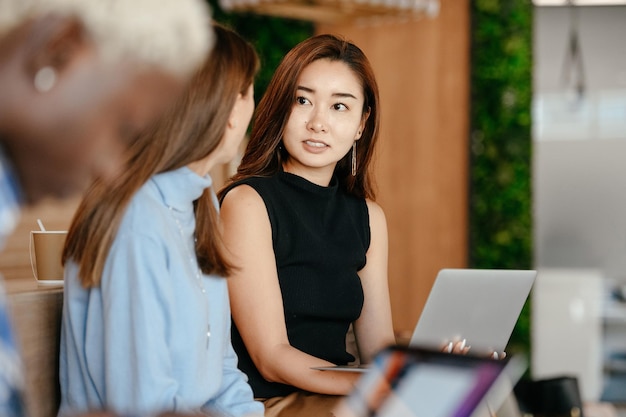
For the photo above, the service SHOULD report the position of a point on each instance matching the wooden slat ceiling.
(335, 11)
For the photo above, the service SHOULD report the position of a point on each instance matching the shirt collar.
(181, 187)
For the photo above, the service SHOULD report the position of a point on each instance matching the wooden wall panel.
(422, 67)
(36, 313)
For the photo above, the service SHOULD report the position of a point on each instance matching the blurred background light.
(334, 11)
(579, 2)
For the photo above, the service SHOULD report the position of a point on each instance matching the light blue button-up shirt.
(138, 343)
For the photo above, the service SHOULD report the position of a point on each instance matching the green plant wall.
(500, 168)
(272, 37)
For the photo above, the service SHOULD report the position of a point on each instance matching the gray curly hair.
(173, 35)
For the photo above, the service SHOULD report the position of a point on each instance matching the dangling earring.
(354, 158)
(45, 79)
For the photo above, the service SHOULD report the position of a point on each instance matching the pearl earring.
(45, 79)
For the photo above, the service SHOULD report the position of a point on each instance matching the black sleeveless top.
(320, 237)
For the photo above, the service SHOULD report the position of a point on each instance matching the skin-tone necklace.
(194, 265)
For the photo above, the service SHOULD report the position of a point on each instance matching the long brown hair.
(191, 130)
(264, 155)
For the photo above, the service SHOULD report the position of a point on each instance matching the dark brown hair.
(264, 155)
(190, 131)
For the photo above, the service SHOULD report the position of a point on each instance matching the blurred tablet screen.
(414, 382)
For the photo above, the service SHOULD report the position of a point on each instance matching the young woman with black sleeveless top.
(309, 242)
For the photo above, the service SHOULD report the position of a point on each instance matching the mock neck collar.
(306, 185)
(181, 187)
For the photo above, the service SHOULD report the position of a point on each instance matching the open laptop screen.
(479, 305)
(413, 382)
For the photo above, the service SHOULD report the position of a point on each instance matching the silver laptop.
(478, 305)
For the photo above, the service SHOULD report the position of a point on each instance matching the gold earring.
(354, 158)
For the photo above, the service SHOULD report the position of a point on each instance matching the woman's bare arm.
(257, 304)
(374, 328)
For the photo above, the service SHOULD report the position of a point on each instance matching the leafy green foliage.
(500, 172)
(272, 37)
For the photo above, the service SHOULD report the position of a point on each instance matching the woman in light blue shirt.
(146, 317)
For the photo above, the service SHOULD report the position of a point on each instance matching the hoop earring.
(45, 79)
(354, 158)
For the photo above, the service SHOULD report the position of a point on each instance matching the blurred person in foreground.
(79, 79)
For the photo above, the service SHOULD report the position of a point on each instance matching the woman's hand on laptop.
(497, 355)
(459, 347)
